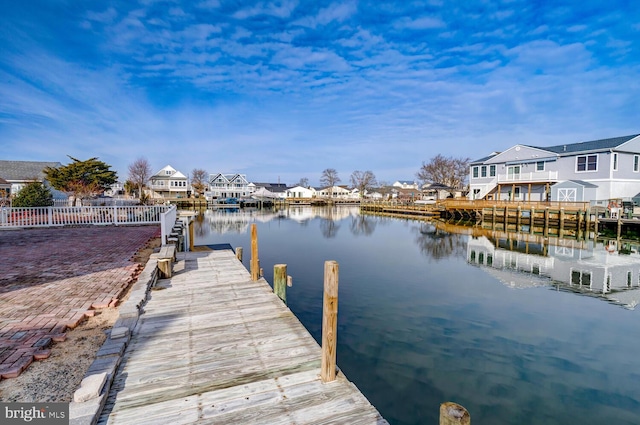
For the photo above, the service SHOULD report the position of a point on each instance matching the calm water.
(427, 316)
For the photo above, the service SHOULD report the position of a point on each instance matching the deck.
(215, 347)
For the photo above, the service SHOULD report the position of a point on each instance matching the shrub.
(33, 195)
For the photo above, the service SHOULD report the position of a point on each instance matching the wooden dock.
(215, 347)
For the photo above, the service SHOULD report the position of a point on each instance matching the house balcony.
(533, 177)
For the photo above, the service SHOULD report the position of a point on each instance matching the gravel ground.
(58, 377)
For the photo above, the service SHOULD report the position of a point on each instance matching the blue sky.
(283, 90)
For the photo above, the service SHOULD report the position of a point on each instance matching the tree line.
(90, 178)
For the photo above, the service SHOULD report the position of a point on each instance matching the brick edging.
(91, 396)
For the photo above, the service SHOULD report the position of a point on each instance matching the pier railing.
(69, 216)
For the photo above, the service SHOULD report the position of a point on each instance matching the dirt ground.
(58, 377)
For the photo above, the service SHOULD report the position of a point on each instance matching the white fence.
(167, 220)
(67, 216)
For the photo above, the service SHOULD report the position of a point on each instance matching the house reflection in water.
(585, 267)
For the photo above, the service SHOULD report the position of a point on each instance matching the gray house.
(595, 170)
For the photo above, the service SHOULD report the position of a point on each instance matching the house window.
(483, 171)
(475, 172)
(540, 166)
(636, 158)
(615, 162)
(587, 163)
(492, 170)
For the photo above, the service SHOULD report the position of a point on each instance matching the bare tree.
(199, 179)
(329, 178)
(363, 180)
(448, 171)
(304, 182)
(139, 174)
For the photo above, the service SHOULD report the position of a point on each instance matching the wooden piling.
(518, 218)
(280, 281)
(454, 414)
(329, 322)
(191, 235)
(239, 253)
(532, 214)
(493, 217)
(546, 222)
(255, 267)
(164, 265)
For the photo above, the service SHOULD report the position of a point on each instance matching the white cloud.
(422, 23)
(335, 12)
(279, 9)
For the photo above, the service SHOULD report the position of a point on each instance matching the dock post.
(191, 236)
(532, 214)
(493, 218)
(518, 218)
(255, 266)
(546, 222)
(454, 414)
(239, 253)
(329, 322)
(280, 281)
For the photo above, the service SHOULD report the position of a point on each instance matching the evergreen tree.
(34, 194)
(82, 179)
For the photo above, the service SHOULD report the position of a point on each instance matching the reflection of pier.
(521, 260)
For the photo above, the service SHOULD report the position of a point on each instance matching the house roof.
(24, 170)
(572, 148)
(592, 145)
(481, 160)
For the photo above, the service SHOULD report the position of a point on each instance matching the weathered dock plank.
(215, 347)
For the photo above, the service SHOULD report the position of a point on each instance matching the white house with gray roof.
(586, 171)
(18, 174)
(169, 183)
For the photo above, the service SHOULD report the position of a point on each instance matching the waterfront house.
(406, 184)
(269, 190)
(229, 186)
(334, 192)
(169, 183)
(438, 191)
(19, 173)
(578, 172)
(301, 192)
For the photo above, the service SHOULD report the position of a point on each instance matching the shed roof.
(579, 182)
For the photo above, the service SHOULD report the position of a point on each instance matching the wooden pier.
(213, 346)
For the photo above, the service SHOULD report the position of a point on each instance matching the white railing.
(540, 176)
(167, 220)
(98, 202)
(67, 216)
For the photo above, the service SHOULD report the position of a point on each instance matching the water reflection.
(437, 243)
(520, 260)
(424, 318)
(236, 220)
